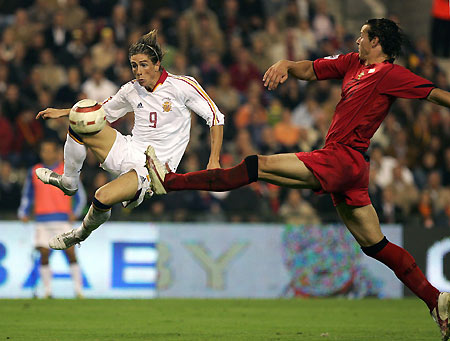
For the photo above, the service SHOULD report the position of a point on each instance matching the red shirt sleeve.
(334, 67)
(400, 82)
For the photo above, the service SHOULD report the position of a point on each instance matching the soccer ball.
(87, 116)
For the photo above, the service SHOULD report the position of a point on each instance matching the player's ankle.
(69, 182)
(82, 232)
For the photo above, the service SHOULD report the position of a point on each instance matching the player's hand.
(72, 217)
(276, 74)
(52, 113)
(25, 219)
(213, 165)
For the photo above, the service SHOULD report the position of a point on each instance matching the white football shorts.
(44, 231)
(125, 155)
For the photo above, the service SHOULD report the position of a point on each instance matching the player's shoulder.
(347, 56)
(184, 84)
(398, 70)
(129, 86)
(397, 67)
(181, 79)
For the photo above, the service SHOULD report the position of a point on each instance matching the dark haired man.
(371, 83)
(54, 213)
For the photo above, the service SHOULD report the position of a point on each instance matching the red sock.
(405, 268)
(218, 180)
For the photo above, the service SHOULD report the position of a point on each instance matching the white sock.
(76, 278)
(74, 156)
(93, 219)
(46, 277)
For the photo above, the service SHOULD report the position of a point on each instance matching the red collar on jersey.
(161, 79)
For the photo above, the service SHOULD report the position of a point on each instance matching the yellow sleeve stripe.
(203, 94)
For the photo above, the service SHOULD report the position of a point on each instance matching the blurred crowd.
(55, 52)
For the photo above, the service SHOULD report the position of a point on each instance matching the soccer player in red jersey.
(371, 83)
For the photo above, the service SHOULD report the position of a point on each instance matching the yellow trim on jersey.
(203, 92)
(75, 139)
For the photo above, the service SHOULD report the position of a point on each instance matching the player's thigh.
(362, 222)
(122, 188)
(287, 169)
(101, 143)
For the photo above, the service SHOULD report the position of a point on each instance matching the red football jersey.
(367, 94)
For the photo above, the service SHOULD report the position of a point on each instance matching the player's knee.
(103, 195)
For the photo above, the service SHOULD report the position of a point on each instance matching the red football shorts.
(342, 171)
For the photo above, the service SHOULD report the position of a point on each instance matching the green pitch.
(194, 319)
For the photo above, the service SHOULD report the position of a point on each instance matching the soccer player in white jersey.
(162, 105)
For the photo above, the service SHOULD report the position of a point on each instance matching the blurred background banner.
(269, 260)
(431, 250)
(221, 260)
(126, 260)
(120, 262)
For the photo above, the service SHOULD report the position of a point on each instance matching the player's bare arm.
(216, 133)
(52, 113)
(439, 96)
(278, 73)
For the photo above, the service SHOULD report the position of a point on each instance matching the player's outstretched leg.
(219, 180)
(47, 176)
(441, 314)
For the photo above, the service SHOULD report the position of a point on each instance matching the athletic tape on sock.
(252, 167)
(75, 136)
(374, 249)
(100, 206)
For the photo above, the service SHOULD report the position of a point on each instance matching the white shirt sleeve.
(118, 105)
(197, 100)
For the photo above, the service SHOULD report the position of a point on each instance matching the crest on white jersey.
(335, 56)
(167, 105)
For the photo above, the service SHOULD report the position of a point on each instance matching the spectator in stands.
(69, 93)
(104, 52)
(243, 71)
(10, 187)
(227, 97)
(98, 87)
(57, 36)
(295, 210)
(23, 29)
(53, 75)
(119, 25)
(77, 17)
(8, 45)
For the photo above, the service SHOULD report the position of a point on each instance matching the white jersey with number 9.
(162, 116)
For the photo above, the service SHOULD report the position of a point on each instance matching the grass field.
(195, 319)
